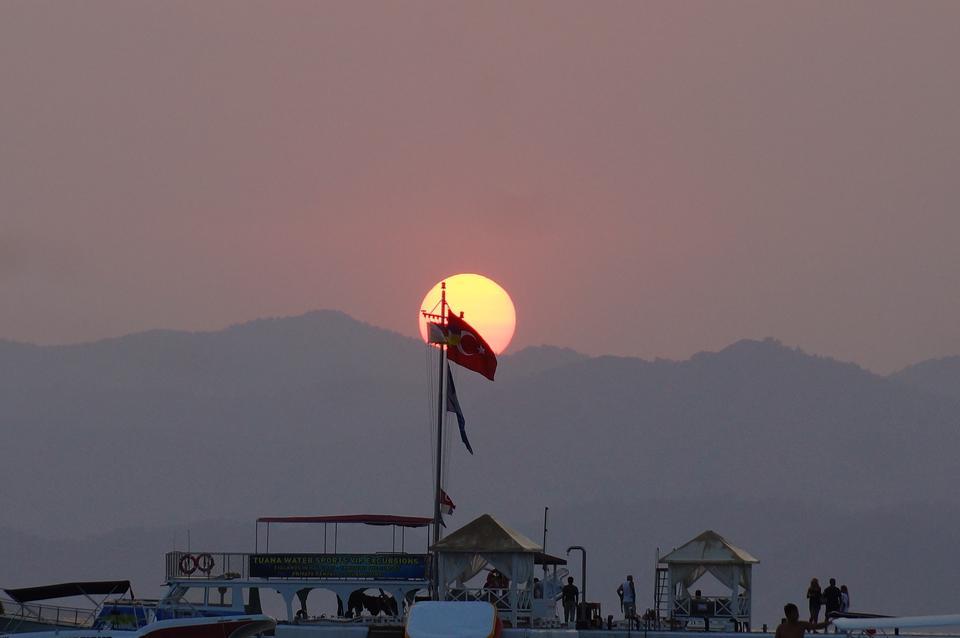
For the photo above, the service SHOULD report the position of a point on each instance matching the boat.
(197, 627)
(373, 588)
(870, 625)
(29, 609)
(27, 613)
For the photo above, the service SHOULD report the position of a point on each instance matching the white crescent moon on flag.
(477, 341)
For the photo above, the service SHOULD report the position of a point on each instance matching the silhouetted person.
(699, 606)
(792, 626)
(537, 588)
(570, 596)
(628, 600)
(844, 599)
(815, 598)
(493, 587)
(831, 599)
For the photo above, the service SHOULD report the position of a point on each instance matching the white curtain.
(686, 575)
(731, 575)
(728, 574)
(503, 562)
(459, 567)
(523, 570)
(477, 563)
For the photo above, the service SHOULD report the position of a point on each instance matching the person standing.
(570, 596)
(844, 599)
(831, 599)
(815, 598)
(793, 627)
(628, 600)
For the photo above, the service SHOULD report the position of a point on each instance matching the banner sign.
(345, 566)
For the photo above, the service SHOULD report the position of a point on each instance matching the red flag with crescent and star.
(466, 347)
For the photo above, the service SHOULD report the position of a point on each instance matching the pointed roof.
(486, 534)
(709, 548)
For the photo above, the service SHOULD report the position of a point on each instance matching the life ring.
(205, 563)
(188, 564)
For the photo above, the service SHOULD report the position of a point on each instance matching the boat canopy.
(541, 558)
(66, 590)
(365, 519)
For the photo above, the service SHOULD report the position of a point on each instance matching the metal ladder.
(661, 594)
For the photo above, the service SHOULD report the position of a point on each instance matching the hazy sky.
(644, 178)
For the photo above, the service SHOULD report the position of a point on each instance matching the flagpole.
(441, 409)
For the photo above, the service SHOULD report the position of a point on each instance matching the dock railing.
(719, 606)
(499, 598)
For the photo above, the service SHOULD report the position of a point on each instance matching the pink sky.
(646, 179)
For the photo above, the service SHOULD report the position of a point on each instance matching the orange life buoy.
(188, 564)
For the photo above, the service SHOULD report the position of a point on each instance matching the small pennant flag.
(453, 405)
(446, 504)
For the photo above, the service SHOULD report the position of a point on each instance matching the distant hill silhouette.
(939, 376)
(324, 414)
(535, 360)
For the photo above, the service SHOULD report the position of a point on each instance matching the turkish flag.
(466, 347)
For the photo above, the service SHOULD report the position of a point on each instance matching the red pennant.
(446, 503)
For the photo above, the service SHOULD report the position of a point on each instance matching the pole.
(440, 414)
(545, 510)
(583, 570)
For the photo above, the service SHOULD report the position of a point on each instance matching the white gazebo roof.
(709, 548)
(486, 535)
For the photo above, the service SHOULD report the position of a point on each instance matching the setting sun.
(484, 303)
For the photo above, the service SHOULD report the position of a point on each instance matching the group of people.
(833, 599)
(627, 591)
(496, 580)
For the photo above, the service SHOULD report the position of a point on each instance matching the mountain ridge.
(940, 376)
(343, 319)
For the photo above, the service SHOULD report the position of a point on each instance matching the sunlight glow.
(485, 304)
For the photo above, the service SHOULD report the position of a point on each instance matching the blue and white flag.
(453, 405)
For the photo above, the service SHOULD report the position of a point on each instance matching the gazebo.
(483, 542)
(710, 553)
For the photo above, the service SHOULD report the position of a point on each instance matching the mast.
(441, 412)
